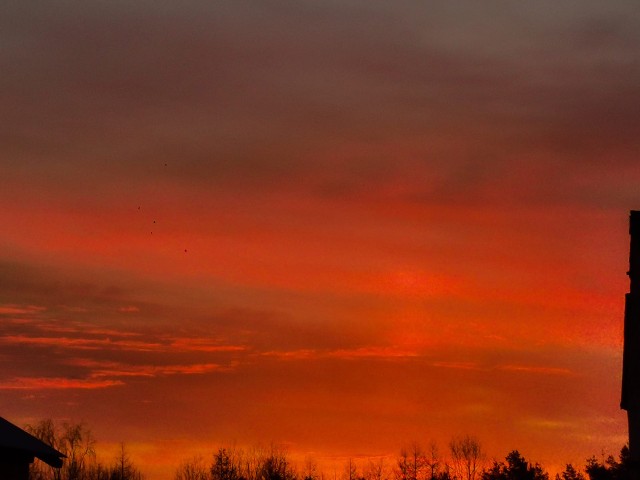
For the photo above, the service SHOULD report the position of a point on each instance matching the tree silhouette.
(610, 469)
(432, 461)
(401, 472)
(224, 466)
(516, 468)
(310, 470)
(123, 468)
(375, 470)
(350, 470)
(78, 444)
(467, 457)
(275, 466)
(192, 469)
(75, 441)
(570, 473)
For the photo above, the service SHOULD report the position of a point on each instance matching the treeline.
(77, 443)
(273, 464)
(464, 459)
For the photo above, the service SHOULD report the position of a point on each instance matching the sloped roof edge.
(15, 438)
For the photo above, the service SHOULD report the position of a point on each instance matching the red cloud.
(42, 383)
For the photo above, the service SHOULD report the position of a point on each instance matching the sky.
(339, 226)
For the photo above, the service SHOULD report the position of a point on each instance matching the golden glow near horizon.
(336, 227)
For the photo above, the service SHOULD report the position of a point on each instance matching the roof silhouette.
(15, 438)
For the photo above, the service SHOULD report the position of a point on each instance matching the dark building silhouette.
(631, 355)
(19, 448)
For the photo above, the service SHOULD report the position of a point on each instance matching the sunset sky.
(340, 226)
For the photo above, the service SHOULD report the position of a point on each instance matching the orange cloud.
(188, 344)
(82, 343)
(8, 309)
(99, 369)
(537, 369)
(129, 309)
(59, 383)
(373, 352)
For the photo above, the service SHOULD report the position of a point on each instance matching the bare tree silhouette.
(466, 456)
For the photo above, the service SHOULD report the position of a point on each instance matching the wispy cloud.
(190, 344)
(9, 309)
(129, 309)
(59, 383)
(373, 352)
(101, 349)
(82, 343)
(100, 369)
(33, 331)
(457, 365)
(165, 344)
(539, 369)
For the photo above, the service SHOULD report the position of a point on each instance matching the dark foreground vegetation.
(77, 443)
(464, 459)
